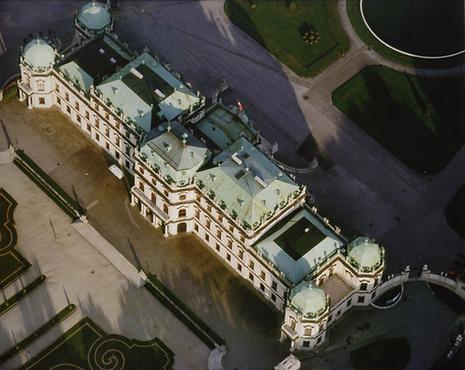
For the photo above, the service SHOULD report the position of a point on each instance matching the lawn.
(12, 264)
(455, 212)
(419, 120)
(385, 354)
(353, 10)
(86, 346)
(299, 238)
(305, 35)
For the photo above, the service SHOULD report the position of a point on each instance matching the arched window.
(40, 85)
(182, 197)
(182, 212)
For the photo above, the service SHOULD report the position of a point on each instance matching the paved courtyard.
(76, 273)
(225, 302)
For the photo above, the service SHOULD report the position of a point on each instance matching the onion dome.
(308, 300)
(38, 54)
(94, 16)
(365, 254)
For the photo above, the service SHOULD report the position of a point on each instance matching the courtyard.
(182, 263)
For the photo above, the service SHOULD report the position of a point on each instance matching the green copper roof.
(299, 244)
(147, 93)
(77, 75)
(94, 61)
(175, 152)
(247, 183)
(308, 299)
(365, 253)
(223, 126)
(94, 16)
(38, 54)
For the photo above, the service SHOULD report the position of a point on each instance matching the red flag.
(241, 107)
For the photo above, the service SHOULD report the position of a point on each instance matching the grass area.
(455, 212)
(12, 263)
(10, 93)
(12, 301)
(87, 346)
(385, 354)
(285, 28)
(419, 120)
(183, 313)
(353, 10)
(70, 206)
(299, 238)
(60, 316)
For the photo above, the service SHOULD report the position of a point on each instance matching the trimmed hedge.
(48, 185)
(60, 316)
(183, 313)
(12, 301)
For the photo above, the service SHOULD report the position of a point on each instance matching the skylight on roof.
(260, 181)
(160, 94)
(101, 51)
(113, 60)
(136, 73)
(235, 158)
(239, 174)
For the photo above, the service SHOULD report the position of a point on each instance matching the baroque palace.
(198, 169)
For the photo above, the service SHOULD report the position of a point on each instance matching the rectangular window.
(262, 287)
(197, 214)
(273, 297)
(117, 155)
(107, 116)
(274, 285)
(348, 302)
(207, 237)
(76, 105)
(58, 101)
(241, 254)
(97, 123)
(218, 234)
(78, 118)
(107, 131)
(220, 218)
(208, 224)
(306, 343)
(242, 239)
(87, 115)
(319, 339)
(57, 88)
(239, 267)
(217, 247)
(128, 164)
(228, 257)
(118, 142)
(361, 299)
(128, 151)
(196, 227)
(363, 286)
(42, 101)
(88, 127)
(250, 276)
(263, 275)
(68, 109)
(230, 244)
(141, 186)
(67, 96)
(97, 137)
(251, 264)
(107, 146)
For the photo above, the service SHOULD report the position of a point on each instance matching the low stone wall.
(109, 252)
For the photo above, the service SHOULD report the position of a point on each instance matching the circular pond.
(430, 29)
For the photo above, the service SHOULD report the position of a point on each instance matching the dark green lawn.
(299, 238)
(280, 29)
(419, 120)
(455, 212)
(403, 34)
(385, 354)
(86, 346)
(12, 263)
